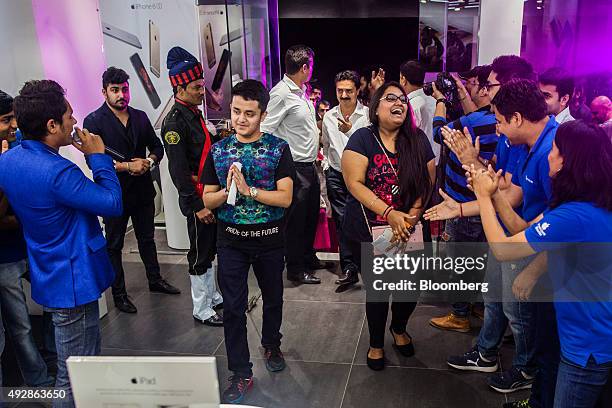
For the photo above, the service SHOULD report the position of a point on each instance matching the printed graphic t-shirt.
(250, 224)
(380, 178)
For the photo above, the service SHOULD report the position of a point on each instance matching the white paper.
(231, 197)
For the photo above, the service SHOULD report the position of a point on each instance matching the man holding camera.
(129, 131)
(481, 126)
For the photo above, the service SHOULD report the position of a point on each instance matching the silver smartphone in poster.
(121, 35)
(209, 46)
(154, 51)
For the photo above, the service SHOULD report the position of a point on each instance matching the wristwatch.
(253, 192)
(150, 160)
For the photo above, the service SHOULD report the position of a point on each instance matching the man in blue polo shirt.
(520, 110)
(14, 310)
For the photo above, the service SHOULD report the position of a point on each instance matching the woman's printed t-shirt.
(380, 178)
(250, 223)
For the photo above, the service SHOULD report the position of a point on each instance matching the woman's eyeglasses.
(392, 98)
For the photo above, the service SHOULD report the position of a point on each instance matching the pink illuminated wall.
(71, 48)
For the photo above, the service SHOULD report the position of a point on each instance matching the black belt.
(304, 164)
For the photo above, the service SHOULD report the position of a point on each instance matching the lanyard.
(207, 143)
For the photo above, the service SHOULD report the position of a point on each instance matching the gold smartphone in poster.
(210, 46)
(154, 49)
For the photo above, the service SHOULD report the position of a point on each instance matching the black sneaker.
(517, 404)
(274, 359)
(237, 390)
(472, 361)
(510, 381)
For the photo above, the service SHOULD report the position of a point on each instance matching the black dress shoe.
(349, 275)
(162, 286)
(304, 277)
(215, 321)
(318, 264)
(406, 350)
(125, 305)
(376, 364)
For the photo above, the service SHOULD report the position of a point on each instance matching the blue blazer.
(58, 207)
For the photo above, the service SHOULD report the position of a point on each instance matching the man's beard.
(119, 106)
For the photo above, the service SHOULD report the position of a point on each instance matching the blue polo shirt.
(532, 172)
(506, 155)
(585, 328)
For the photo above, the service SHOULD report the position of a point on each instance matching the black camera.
(445, 84)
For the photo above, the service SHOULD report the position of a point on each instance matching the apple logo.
(134, 381)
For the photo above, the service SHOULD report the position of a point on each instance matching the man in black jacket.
(187, 143)
(129, 131)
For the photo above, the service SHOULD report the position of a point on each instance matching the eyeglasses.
(392, 98)
(489, 85)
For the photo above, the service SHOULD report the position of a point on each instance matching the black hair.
(586, 174)
(522, 96)
(323, 102)
(561, 79)
(414, 72)
(6, 103)
(252, 90)
(508, 67)
(482, 74)
(412, 165)
(296, 56)
(37, 103)
(348, 75)
(114, 75)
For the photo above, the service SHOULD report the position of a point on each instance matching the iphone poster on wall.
(221, 56)
(137, 37)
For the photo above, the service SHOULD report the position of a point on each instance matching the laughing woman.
(389, 170)
(580, 211)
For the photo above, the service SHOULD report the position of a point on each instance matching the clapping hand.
(460, 143)
(5, 146)
(483, 182)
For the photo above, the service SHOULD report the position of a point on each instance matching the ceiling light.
(539, 7)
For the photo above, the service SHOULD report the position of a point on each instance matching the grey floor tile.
(325, 291)
(413, 387)
(172, 330)
(312, 331)
(432, 346)
(301, 384)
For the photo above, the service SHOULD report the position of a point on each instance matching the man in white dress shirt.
(558, 87)
(412, 76)
(338, 125)
(291, 116)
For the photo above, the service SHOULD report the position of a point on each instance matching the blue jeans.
(77, 333)
(466, 229)
(14, 314)
(520, 315)
(580, 387)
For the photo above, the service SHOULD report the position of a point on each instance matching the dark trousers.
(465, 229)
(376, 312)
(202, 245)
(233, 273)
(144, 228)
(548, 355)
(338, 194)
(302, 218)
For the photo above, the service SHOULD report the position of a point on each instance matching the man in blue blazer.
(58, 207)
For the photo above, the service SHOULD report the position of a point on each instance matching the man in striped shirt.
(480, 124)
